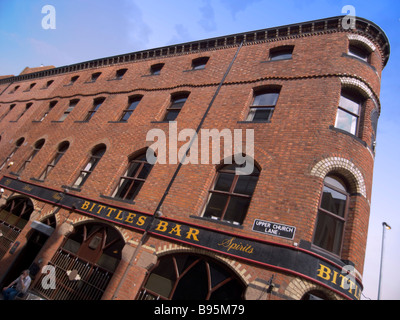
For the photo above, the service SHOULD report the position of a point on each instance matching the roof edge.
(313, 27)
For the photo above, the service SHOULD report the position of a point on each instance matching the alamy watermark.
(349, 21)
(49, 20)
(196, 150)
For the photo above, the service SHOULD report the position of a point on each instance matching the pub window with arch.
(85, 263)
(332, 214)
(191, 277)
(230, 196)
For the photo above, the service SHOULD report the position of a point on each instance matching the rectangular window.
(175, 107)
(263, 106)
(348, 114)
(96, 105)
(132, 104)
(71, 107)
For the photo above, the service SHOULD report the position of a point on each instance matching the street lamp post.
(385, 227)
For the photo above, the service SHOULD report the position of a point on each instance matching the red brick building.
(82, 199)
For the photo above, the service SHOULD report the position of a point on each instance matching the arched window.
(19, 143)
(14, 215)
(133, 179)
(332, 213)
(38, 145)
(97, 153)
(62, 148)
(231, 194)
(191, 277)
(85, 263)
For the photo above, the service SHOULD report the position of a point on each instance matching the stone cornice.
(328, 25)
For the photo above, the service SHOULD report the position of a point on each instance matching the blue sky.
(90, 29)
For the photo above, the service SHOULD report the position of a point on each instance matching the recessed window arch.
(134, 177)
(349, 112)
(155, 69)
(175, 276)
(263, 105)
(8, 111)
(177, 101)
(14, 216)
(359, 50)
(199, 63)
(18, 144)
(61, 150)
(36, 148)
(86, 262)
(96, 155)
(281, 53)
(230, 196)
(332, 214)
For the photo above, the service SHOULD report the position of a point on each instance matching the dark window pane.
(137, 185)
(217, 273)
(215, 205)
(328, 234)
(178, 103)
(246, 185)
(237, 209)
(266, 99)
(193, 285)
(224, 181)
(261, 114)
(145, 171)
(358, 52)
(133, 167)
(333, 201)
(232, 290)
(171, 115)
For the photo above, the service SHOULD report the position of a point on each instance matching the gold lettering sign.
(231, 244)
(113, 213)
(344, 281)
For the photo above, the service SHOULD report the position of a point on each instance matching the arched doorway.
(191, 277)
(14, 215)
(85, 263)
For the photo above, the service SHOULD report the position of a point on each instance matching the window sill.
(256, 121)
(326, 254)
(190, 70)
(162, 121)
(348, 134)
(117, 121)
(36, 180)
(346, 55)
(225, 223)
(267, 61)
(56, 121)
(116, 199)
